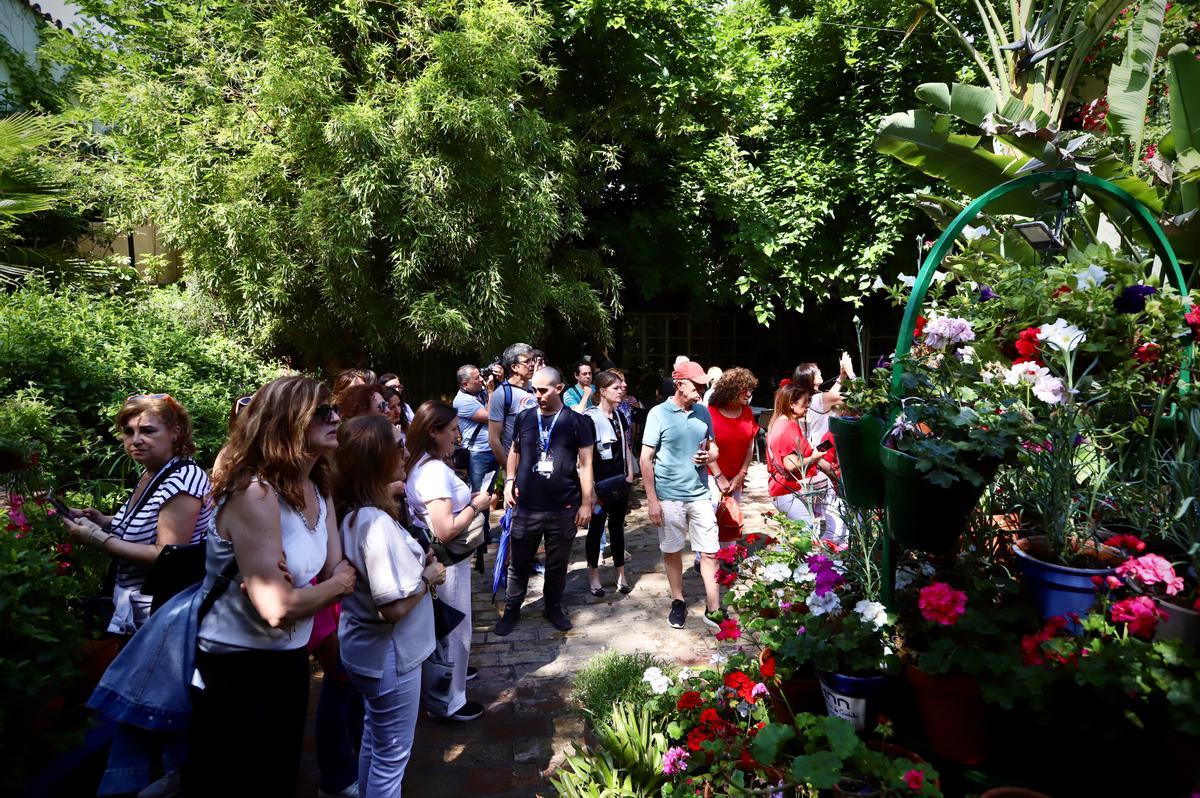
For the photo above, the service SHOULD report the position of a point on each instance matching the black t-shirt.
(604, 468)
(560, 489)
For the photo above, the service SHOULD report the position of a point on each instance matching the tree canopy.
(369, 175)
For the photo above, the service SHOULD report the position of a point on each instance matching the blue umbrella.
(500, 570)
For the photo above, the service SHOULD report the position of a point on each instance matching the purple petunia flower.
(986, 293)
(1133, 298)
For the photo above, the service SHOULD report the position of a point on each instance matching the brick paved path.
(525, 679)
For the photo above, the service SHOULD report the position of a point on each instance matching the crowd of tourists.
(340, 523)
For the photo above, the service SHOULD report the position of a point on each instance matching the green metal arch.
(945, 244)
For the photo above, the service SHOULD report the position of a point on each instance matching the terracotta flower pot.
(953, 715)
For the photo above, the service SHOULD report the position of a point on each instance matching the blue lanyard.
(544, 434)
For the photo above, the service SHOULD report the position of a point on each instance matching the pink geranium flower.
(1140, 613)
(729, 630)
(1150, 569)
(675, 760)
(940, 603)
(914, 780)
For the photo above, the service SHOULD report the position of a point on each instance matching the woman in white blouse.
(386, 629)
(441, 505)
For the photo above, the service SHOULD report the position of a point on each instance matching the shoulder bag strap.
(224, 579)
(162, 476)
(479, 426)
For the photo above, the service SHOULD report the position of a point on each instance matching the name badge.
(606, 451)
(544, 465)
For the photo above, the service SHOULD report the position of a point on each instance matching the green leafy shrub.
(83, 353)
(27, 426)
(627, 763)
(611, 677)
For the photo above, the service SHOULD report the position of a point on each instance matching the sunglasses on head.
(326, 411)
(137, 396)
(244, 401)
(382, 407)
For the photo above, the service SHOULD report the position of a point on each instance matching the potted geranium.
(958, 626)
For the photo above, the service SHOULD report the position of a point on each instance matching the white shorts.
(694, 521)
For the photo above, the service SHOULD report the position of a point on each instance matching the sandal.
(626, 589)
(596, 591)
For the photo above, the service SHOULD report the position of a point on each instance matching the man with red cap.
(676, 448)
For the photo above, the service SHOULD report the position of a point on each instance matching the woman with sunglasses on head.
(275, 525)
(386, 628)
(169, 505)
(734, 429)
(442, 507)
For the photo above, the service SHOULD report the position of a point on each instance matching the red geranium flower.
(940, 603)
(742, 684)
(689, 700)
(1128, 542)
(914, 780)
(727, 555)
(920, 328)
(725, 578)
(767, 668)
(1027, 346)
(1062, 289)
(1147, 353)
(729, 630)
(698, 736)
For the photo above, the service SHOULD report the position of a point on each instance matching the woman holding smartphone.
(169, 505)
(797, 474)
(386, 628)
(441, 506)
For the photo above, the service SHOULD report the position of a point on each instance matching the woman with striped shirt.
(170, 504)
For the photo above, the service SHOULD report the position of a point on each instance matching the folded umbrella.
(500, 569)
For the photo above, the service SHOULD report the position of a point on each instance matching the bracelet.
(510, 479)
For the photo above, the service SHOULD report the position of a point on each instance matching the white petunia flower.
(878, 285)
(685, 674)
(1028, 373)
(659, 682)
(803, 574)
(975, 233)
(776, 572)
(1049, 389)
(1092, 276)
(820, 605)
(906, 280)
(718, 659)
(1062, 335)
(872, 612)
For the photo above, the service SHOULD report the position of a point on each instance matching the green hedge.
(80, 354)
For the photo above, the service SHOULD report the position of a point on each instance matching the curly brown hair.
(731, 385)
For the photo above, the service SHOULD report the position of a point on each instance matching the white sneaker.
(345, 792)
(169, 786)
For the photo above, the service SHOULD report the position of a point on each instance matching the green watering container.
(924, 516)
(857, 442)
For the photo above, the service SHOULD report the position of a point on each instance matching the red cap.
(690, 370)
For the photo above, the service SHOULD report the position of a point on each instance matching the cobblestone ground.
(525, 679)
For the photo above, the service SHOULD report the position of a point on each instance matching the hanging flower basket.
(857, 441)
(924, 516)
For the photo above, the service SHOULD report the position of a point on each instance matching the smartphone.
(58, 504)
(824, 446)
(489, 482)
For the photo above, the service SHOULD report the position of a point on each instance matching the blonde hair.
(168, 410)
(270, 441)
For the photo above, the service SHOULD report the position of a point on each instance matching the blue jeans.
(481, 464)
(392, 702)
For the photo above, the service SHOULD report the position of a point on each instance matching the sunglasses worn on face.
(326, 411)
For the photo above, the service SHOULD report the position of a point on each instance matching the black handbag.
(612, 488)
(445, 618)
(176, 568)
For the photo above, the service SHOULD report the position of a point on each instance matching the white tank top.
(233, 624)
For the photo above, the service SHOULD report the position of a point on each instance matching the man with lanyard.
(579, 396)
(471, 404)
(549, 481)
(676, 449)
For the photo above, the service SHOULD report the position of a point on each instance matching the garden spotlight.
(1040, 236)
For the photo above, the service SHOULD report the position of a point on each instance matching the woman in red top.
(734, 429)
(796, 473)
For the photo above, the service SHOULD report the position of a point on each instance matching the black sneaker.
(472, 672)
(468, 711)
(714, 617)
(506, 624)
(678, 614)
(558, 619)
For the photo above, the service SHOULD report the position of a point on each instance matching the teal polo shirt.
(676, 435)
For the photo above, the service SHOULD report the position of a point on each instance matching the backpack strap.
(157, 482)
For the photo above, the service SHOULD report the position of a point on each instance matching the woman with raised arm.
(275, 525)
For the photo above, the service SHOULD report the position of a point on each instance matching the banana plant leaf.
(1129, 81)
(1183, 83)
(925, 141)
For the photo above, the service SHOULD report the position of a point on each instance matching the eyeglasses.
(326, 411)
(137, 396)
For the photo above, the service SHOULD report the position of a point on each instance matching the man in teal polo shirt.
(676, 448)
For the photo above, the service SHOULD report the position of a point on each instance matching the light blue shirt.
(676, 435)
(474, 433)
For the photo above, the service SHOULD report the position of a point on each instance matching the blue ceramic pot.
(853, 698)
(1057, 589)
